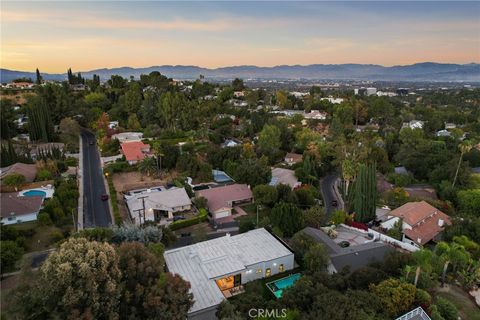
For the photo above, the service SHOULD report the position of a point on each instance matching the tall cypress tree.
(39, 77)
(363, 194)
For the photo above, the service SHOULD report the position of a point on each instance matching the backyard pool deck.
(277, 286)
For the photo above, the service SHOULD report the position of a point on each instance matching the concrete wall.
(251, 273)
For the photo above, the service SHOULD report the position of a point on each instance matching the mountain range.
(426, 71)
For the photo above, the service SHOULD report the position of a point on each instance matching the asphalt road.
(96, 212)
(328, 193)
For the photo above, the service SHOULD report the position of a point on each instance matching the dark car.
(91, 143)
(104, 197)
(334, 203)
(176, 218)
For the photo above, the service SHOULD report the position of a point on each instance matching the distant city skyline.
(90, 35)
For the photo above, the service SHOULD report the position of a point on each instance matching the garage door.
(222, 214)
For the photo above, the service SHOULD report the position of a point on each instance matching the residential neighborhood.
(240, 160)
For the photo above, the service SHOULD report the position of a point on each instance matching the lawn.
(466, 307)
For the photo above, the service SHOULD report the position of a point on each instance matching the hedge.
(113, 198)
(202, 216)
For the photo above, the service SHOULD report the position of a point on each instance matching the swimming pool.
(278, 286)
(32, 193)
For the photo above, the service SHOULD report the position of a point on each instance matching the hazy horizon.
(93, 35)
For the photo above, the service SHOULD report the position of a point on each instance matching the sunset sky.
(84, 36)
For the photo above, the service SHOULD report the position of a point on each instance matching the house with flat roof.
(128, 136)
(217, 269)
(354, 256)
(18, 209)
(160, 204)
(421, 222)
(221, 200)
(284, 176)
(135, 151)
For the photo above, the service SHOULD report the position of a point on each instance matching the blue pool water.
(32, 193)
(278, 286)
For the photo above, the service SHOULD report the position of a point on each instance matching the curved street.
(330, 193)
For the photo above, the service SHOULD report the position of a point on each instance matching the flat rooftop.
(203, 262)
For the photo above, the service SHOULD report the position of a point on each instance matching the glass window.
(268, 272)
(259, 270)
(281, 268)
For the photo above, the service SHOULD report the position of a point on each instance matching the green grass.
(466, 307)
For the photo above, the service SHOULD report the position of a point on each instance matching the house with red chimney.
(421, 222)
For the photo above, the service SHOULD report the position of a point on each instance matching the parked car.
(91, 143)
(334, 203)
(176, 218)
(104, 197)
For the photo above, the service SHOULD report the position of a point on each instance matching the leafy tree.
(170, 299)
(316, 258)
(252, 172)
(300, 244)
(396, 297)
(305, 196)
(97, 100)
(269, 141)
(314, 217)
(69, 133)
(447, 310)
(451, 254)
(44, 174)
(14, 180)
(141, 271)
(147, 166)
(10, 253)
(237, 84)
(422, 259)
(265, 195)
(287, 217)
(79, 280)
(396, 231)
(338, 217)
(469, 201)
(464, 147)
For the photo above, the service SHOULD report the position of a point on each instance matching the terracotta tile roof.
(424, 220)
(12, 203)
(222, 197)
(29, 171)
(134, 150)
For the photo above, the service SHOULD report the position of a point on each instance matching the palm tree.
(464, 147)
(408, 269)
(451, 253)
(158, 151)
(423, 259)
(147, 166)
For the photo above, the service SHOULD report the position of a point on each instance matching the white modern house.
(217, 269)
(157, 204)
(413, 124)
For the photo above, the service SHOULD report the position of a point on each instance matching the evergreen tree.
(363, 194)
(39, 78)
(40, 124)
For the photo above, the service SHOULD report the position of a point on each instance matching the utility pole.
(143, 205)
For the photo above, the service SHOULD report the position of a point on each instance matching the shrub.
(202, 216)
(130, 232)
(246, 225)
(423, 298)
(56, 236)
(43, 219)
(14, 180)
(44, 174)
(447, 309)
